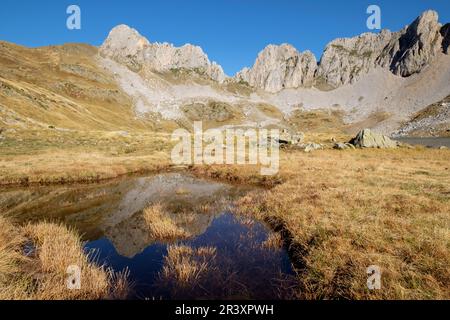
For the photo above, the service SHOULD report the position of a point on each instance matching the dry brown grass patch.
(345, 211)
(186, 265)
(42, 274)
(161, 225)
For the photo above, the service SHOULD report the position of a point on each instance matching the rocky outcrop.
(126, 46)
(404, 53)
(280, 67)
(369, 139)
(415, 47)
(344, 60)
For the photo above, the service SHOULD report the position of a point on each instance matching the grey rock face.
(276, 68)
(416, 47)
(344, 60)
(404, 53)
(126, 46)
(445, 33)
(280, 67)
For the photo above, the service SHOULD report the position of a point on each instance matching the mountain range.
(379, 80)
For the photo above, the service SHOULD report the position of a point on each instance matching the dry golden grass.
(42, 274)
(161, 225)
(274, 241)
(48, 157)
(186, 265)
(11, 259)
(182, 191)
(64, 86)
(340, 212)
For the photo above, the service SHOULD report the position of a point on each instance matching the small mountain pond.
(176, 235)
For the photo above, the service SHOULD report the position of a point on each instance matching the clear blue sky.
(231, 32)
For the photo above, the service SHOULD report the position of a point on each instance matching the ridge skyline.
(133, 32)
(230, 36)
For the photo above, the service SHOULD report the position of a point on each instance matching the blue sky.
(231, 32)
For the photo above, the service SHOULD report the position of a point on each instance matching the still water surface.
(245, 263)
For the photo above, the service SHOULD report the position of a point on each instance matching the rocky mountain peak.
(344, 60)
(417, 46)
(426, 22)
(280, 66)
(403, 53)
(126, 37)
(126, 46)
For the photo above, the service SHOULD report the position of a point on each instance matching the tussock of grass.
(11, 257)
(161, 225)
(42, 274)
(186, 265)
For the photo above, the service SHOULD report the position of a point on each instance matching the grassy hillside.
(61, 87)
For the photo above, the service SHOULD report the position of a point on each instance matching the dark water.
(236, 243)
(428, 142)
(229, 256)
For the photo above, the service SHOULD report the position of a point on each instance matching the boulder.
(369, 139)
